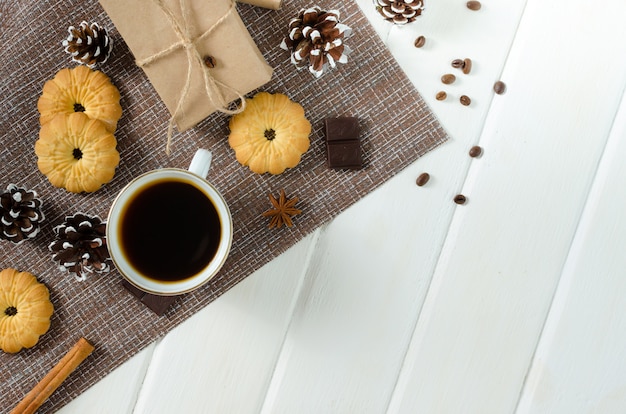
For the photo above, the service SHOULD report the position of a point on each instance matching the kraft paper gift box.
(170, 40)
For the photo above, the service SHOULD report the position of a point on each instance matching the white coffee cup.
(149, 240)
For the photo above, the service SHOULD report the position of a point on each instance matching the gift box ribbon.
(213, 87)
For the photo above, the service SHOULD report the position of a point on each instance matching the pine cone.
(20, 214)
(89, 44)
(400, 11)
(80, 245)
(315, 40)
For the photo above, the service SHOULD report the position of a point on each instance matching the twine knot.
(212, 86)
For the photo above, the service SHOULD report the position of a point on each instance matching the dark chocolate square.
(344, 155)
(156, 303)
(342, 129)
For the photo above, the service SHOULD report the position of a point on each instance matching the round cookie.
(80, 90)
(25, 310)
(271, 134)
(76, 153)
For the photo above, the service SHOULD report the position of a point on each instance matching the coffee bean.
(475, 151)
(448, 78)
(420, 41)
(209, 61)
(499, 87)
(465, 100)
(473, 5)
(460, 199)
(457, 63)
(441, 96)
(422, 179)
(467, 65)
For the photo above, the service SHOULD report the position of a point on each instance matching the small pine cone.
(400, 11)
(80, 246)
(89, 44)
(20, 214)
(316, 40)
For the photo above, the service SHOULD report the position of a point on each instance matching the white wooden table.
(409, 303)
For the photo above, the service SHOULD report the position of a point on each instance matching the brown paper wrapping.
(268, 4)
(238, 62)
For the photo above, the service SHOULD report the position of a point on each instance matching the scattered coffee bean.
(422, 179)
(475, 151)
(441, 96)
(473, 5)
(460, 199)
(448, 78)
(499, 87)
(420, 41)
(467, 65)
(457, 63)
(465, 100)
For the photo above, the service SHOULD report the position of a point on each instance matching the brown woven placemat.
(397, 128)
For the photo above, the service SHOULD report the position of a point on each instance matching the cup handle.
(201, 163)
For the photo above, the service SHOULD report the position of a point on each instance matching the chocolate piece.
(343, 147)
(345, 154)
(156, 303)
(342, 129)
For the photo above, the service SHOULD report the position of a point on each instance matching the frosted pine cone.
(316, 40)
(80, 245)
(89, 44)
(20, 214)
(400, 11)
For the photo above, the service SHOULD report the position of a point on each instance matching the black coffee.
(170, 230)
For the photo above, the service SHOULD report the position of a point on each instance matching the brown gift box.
(214, 29)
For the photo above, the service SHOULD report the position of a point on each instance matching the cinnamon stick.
(268, 4)
(38, 395)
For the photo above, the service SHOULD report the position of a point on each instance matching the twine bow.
(212, 86)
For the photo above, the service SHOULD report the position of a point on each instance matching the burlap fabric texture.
(397, 128)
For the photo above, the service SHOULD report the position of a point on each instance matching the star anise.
(283, 210)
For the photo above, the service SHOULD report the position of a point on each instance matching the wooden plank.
(580, 363)
(453, 31)
(117, 392)
(221, 359)
(373, 264)
(505, 250)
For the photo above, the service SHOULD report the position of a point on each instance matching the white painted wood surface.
(407, 302)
